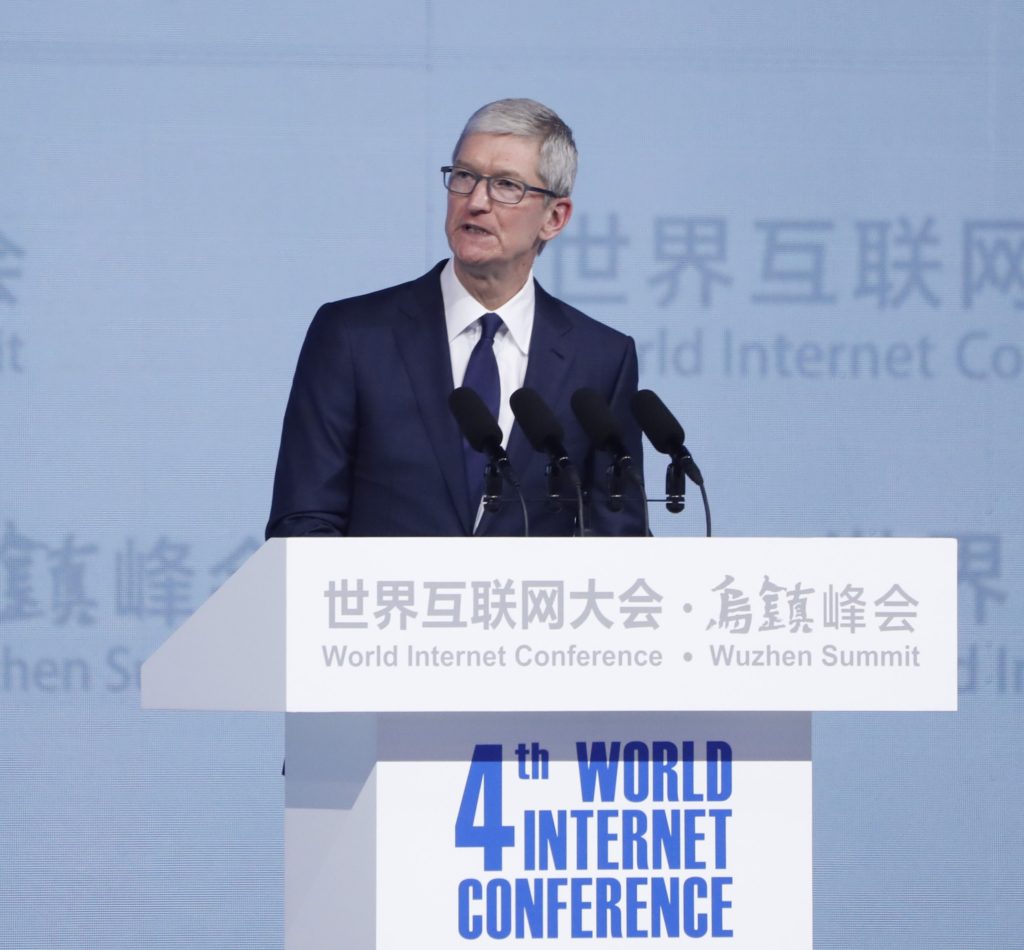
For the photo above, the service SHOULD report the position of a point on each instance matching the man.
(369, 446)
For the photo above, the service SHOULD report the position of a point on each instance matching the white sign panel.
(620, 624)
(604, 849)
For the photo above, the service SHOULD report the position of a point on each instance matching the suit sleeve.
(312, 484)
(630, 520)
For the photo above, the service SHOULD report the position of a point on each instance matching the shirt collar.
(462, 309)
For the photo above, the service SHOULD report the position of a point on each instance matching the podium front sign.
(621, 624)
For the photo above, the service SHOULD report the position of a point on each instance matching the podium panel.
(495, 741)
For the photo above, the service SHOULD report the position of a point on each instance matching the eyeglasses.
(508, 191)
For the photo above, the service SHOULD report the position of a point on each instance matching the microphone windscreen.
(542, 430)
(594, 415)
(657, 421)
(478, 426)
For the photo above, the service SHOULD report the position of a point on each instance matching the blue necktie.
(482, 376)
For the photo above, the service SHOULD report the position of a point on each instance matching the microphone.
(480, 429)
(667, 436)
(594, 415)
(664, 431)
(544, 432)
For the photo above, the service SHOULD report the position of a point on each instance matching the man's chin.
(472, 259)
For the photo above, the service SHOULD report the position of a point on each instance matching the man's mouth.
(473, 229)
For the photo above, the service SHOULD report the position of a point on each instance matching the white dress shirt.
(462, 311)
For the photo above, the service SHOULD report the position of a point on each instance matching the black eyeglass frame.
(446, 171)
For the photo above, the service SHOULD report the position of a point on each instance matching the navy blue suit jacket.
(370, 448)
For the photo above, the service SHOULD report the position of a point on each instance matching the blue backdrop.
(809, 214)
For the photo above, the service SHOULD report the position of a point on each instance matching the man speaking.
(369, 446)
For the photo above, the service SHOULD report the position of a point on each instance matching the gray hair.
(530, 119)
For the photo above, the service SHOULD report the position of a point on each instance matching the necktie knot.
(490, 324)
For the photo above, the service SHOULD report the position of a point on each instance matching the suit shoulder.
(600, 333)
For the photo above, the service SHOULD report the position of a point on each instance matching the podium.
(543, 741)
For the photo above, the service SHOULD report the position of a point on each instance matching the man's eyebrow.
(518, 176)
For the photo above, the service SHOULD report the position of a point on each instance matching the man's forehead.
(502, 152)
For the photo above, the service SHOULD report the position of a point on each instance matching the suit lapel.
(422, 340)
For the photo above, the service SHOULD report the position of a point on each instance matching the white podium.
(543, 741)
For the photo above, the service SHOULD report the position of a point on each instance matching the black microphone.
(544, 432)
(664, 431)
(594, 415)
(538, 422)
(479, 428)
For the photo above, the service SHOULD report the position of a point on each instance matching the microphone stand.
(554, 471)
(675, 487)
(492, 488)
(496, 472)
(553, 474)
(614, 475)
(622, 465)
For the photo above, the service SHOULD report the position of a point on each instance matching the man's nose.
(480, 196)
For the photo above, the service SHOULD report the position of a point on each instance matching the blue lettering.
(666, 782)
(694, 924)
(552, 835)
(470, 925)
(555, 903)
(499, 908)
(605, 837)
(718, 905)
(609, 894)
(634, 842)
(692, 837)
(529, 907)
(598, 768)
(666, 843)
(579, 905)
(633, 906)
(636, 765)
(719, 757)
(665, 907)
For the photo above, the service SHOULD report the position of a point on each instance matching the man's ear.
(558, 214)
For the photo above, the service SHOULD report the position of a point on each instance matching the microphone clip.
(614, 473)
(553, 473)
(675, 486)
(492, 488)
